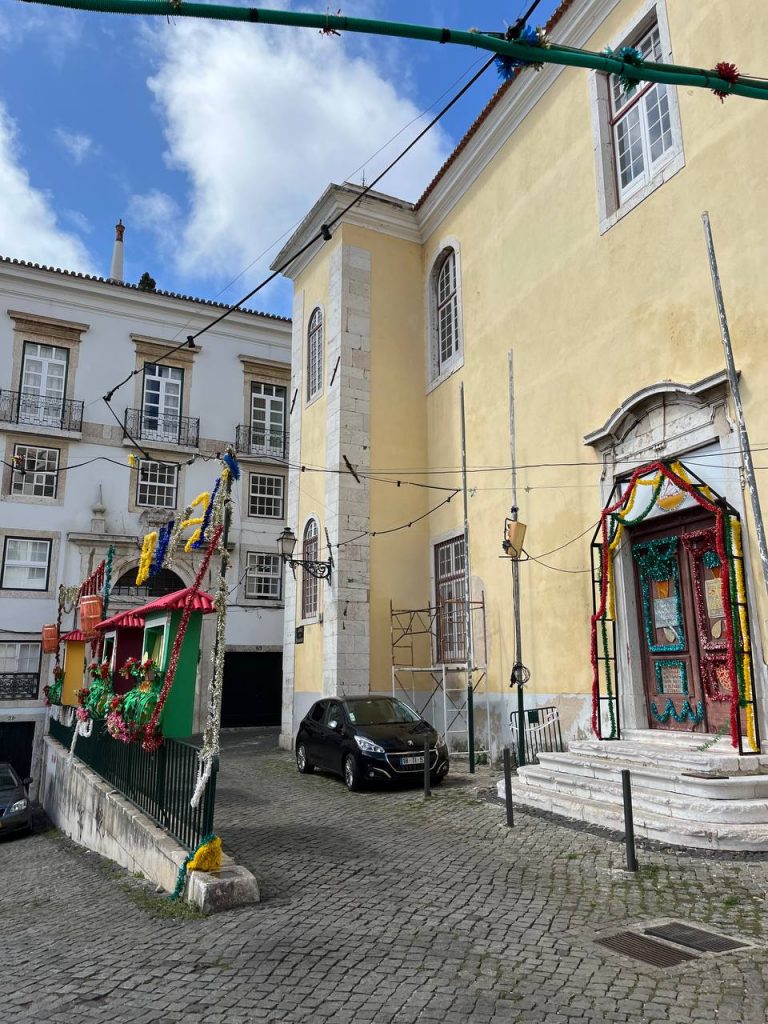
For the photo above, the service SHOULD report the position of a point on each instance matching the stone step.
(690, 780)
(665, 829)
(678, 738)
(665, 802)
(668, 755)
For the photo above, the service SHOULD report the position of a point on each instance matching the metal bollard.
(629, 825)
(508, 787)
(427, 791)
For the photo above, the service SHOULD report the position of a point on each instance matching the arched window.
(446, 330)
(315, 354)
(310, 551)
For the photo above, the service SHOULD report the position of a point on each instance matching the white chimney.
(116, 272)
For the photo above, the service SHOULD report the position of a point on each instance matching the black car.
(15, 808)
(368, 739)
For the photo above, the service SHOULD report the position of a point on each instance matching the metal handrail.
(169, 429)
(253, 439)
(18, 685)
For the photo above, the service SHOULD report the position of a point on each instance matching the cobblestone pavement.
(377, 907)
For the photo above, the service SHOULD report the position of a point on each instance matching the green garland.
(685, 713)
(182, 875)
(657, 562)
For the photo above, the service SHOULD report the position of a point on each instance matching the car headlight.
(20, 805)
(368, 746)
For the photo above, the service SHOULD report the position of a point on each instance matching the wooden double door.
(684, 637)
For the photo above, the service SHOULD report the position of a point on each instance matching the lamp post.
(286, 545)
(512, 544)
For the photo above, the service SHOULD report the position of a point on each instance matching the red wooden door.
(682, 624)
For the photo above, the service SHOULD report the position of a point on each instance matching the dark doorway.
(16, 740)
(253, 688)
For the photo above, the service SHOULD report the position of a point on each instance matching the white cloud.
(76, 144)
(158, 214)
(260, 120)
(28, 227)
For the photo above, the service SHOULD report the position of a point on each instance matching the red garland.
(694, 493)
(728, 73)
(152, 738)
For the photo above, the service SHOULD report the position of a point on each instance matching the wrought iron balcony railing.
(40, 410)
(19, 685)
(253, 439)
(149, 426)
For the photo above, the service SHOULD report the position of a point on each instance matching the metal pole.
(518, 660)
(467, 593)
(733, 381)
(629, 825)
(427, 793)
(508, 787)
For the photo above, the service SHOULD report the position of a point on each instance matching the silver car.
(15, 808)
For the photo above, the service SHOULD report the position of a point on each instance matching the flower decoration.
(507, 67)
(627, 55)
(729, 73)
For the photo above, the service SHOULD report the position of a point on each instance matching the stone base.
(681, 794)
(92, 813)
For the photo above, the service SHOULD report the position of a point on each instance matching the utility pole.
(733, 381)
(467, 594)
(517, 677)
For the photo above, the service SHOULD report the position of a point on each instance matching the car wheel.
(351, 777)
(303, 763)
(436, 780)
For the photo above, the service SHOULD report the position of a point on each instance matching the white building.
(68, 492)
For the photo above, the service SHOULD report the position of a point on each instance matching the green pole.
(648, 71)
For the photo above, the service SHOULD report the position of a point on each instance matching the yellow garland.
(145, 562)
(208, 857)
(133, 461)
(741, 595)
(193, 536)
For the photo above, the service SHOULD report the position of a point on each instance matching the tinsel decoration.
(147, 551)
(132, 461)
(711, 559)
(627, 55)
(231, 462)
(207, 516)
(507, 67)
(175, 537)
(729, 73)
(162, 546)
(657, 560)
(206, 856)
(150, 740)
(686, 712)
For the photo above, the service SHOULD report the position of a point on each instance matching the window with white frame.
(639, 127)
(266, 496)
(451, 608)
(20, 657)
(25, 563)
(158, 484)
(263, 577)
(43, 383)
(315, 354)
(35, 471)
(267, 427)
(310, 585)
(161, 403)
(445, 326)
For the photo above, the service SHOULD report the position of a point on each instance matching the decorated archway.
(717, 607)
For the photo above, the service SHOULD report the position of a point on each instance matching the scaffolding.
(429, 670)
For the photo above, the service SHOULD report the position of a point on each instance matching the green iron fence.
(160, 784)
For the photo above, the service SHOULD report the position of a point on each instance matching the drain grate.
(694, 938)
(648, 950)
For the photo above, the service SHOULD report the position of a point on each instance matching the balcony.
(145, 426)
(19, 685)
(40, 410)
(252, 439)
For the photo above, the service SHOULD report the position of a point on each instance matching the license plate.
(412, 760)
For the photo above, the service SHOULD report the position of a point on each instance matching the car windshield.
(380, 711)
(7, 781)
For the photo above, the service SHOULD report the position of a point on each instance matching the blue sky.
(212, 141)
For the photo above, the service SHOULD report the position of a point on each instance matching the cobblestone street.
(376, 907)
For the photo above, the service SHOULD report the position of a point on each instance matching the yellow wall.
(74, 661)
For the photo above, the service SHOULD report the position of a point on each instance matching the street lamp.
(286, 545)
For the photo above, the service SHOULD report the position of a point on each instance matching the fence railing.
(542, 732)
(18, 685)
(41, 410)
(252, 439)
(160, 784)
(170, 429)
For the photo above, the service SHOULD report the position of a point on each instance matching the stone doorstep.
(671, 831)
(695, 784)
(659, 801)
(668, 756)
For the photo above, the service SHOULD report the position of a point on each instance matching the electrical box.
(515, 538)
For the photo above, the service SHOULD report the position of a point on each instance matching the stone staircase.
(711, 799)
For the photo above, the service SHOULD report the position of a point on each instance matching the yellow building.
(565, 229)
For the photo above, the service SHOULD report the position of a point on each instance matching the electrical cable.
(396, 529)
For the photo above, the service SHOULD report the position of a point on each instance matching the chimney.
(116, 272)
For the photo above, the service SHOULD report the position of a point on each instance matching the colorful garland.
(686, 712)
(145, 562)
(507, 67)
(736, 623)
(206, 856)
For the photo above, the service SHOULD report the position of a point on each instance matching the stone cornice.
(48, 326)
(153, 347)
